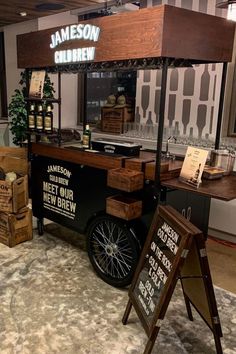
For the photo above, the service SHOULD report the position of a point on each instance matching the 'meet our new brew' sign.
(55, 189)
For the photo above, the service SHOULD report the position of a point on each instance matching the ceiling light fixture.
(109, 7)
(23, 13)
(231, 5)
(49, 6)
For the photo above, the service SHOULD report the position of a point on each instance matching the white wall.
(69, 83)
(12, 73)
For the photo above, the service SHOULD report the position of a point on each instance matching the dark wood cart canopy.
(137, 39)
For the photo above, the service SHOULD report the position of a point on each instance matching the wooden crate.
(171, 170)
(125, 180)
(14, 159)
(16, 228)
(124, 207)
(113, 119)
(13, 195)
(137, 163)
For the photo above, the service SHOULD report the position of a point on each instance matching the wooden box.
(125, 179)
(113, 119)
(124, 207)
(169, 169)
(16, 228)
(14, 159)
(13, 195)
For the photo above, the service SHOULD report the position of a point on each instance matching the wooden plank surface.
(122, 36)
(194, 35)
(173, 171)
(223, 188)
(160, 31)
(98, 160)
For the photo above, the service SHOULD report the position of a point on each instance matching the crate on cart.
(124, 207)
(16, 228)
(125, 180)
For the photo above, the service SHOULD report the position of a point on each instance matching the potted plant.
(17, 109)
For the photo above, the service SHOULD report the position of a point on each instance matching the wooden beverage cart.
(112, 197)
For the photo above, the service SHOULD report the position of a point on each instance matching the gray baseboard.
(222, 235)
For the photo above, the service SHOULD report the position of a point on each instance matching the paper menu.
(37, 84)
(193, 166)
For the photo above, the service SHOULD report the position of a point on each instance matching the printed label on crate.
(58, 195)
(5, 189)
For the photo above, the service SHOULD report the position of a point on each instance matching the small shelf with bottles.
(40, 116)
(43, 100)
(40, 120)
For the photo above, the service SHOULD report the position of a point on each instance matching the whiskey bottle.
(39, 119)
(48, 120)
(87, 137)
(31, 118)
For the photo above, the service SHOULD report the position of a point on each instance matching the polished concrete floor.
(222, 261)
(221, 256)
(52, 303)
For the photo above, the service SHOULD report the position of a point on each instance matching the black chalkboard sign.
(166, 247)
(174, 249)
(157, 268)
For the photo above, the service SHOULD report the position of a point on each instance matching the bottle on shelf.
(39, 119)
(31, 118)
(87, 137)
(48, 120)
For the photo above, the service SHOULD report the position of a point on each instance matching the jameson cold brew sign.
(164, 252)
(157, 267)
(58, 194)
(174, 249)
(55, 190)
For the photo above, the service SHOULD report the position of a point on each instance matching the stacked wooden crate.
(113, 119)
(15, 216)
(124, 206)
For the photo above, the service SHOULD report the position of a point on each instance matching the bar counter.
(222, 189)
(145, 162)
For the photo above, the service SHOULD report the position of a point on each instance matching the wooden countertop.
(78, 156)
(223, 188)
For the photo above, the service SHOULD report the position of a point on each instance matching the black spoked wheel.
(113, 250)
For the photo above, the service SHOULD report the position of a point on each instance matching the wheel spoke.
(113, 250)
(102, 233)
(100, 242)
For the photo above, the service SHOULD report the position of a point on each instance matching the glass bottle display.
(48, 120)
(39, 119)
(87, 137)
(31, 118)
